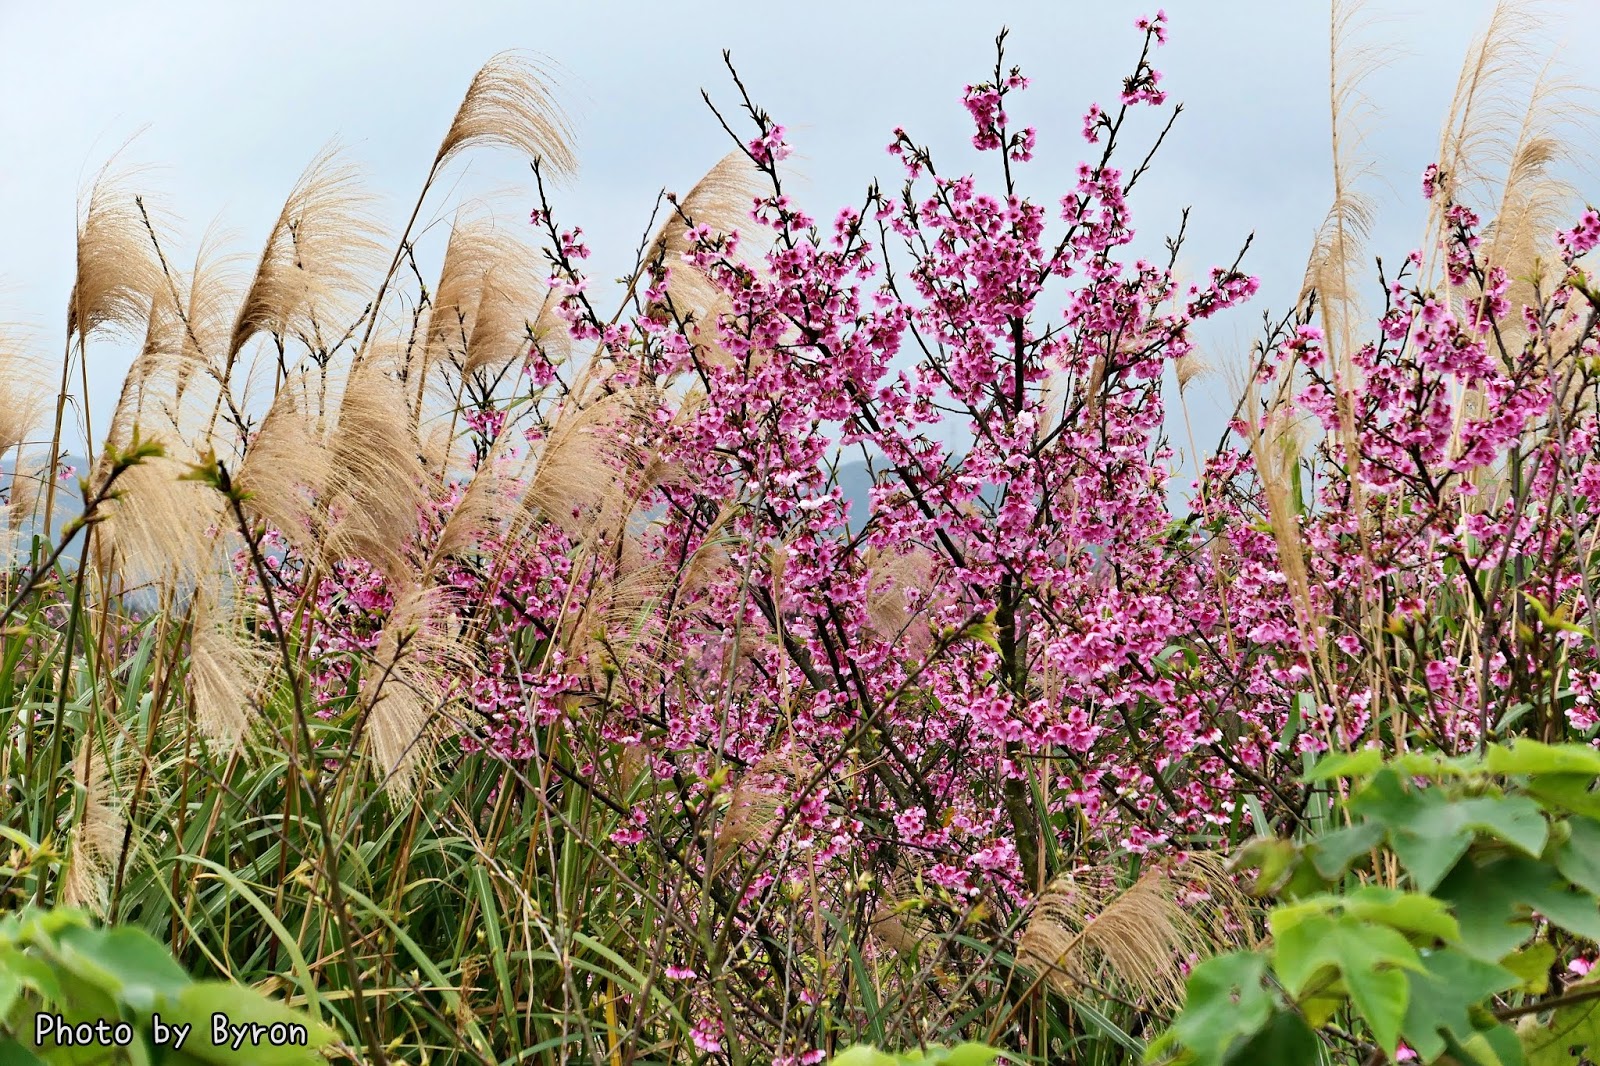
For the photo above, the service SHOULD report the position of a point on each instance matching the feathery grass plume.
(116, 274)
(24, 490)
(117, 270)
(285, 470)
(227, 666)
(489, 305)
(888, 608)
(1487, 102)
(1275, 445)
(488, 499)
(583, 468)
(711, 556)
(1191, 368)
(1535, 197)
(721, 200)
(211, 297)
(757, 801)
(1336, 255)
(319, 255)
(160, 529)
(510, 103)
(375, 487)
(404, 685)
(95, 839)
(23, 394)
(1085, 931)
(163, 336)
(186, 331)
(620, 630)
(898, 921)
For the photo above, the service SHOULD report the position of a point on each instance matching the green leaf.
(1429, 832)
(1285, 1041)
(33, 973)
(1427, 855)
(1345, 764)
(196, 1004)
(126, 962)
(1333, 852)
(1573, 793)
(1272, 862)
(1493, 901)
(1225, 1002)
(1578, 857)
(1286, 916)
(1381, 996)
(1441, 996)
(1409, 912)
(1526, 756)
(14, 1054)
(1532, 967)
(861, 1055)
(970, 1053)
(1300, 949)
(1367, 956)
(1517, 820)
(1495, 1046)
(1571, 1032)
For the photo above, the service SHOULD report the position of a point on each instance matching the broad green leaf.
(1381, 996)
(1532, 967)
(1432, 764)
(1226, 1001)
(1517, 820)
(11, 987)
(1428, 851)
(1354, 948)
(1527, 756)
(79, 1001)
(1285, 1041)
(1333, 852)
(1346, 764)
(127, 963)
(1286, 916)
(1572, 1029)
(970, 1053)
(14, 1054)
(1409, 912)
(1493, 901)
(1495, 1046)
(1271, 860)
(1441, 996)
(1429, 858)
(1578, 857)
(1301, 949)
(861, 1055)
(32, 972)
(196, 1004)
(1573, 793)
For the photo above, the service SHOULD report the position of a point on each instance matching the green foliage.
(58, 963)
(968, 1054)
(1431, 917)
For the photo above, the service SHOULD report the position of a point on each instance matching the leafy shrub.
(80, 975)
(1436, 916)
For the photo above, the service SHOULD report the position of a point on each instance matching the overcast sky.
(234, 97)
